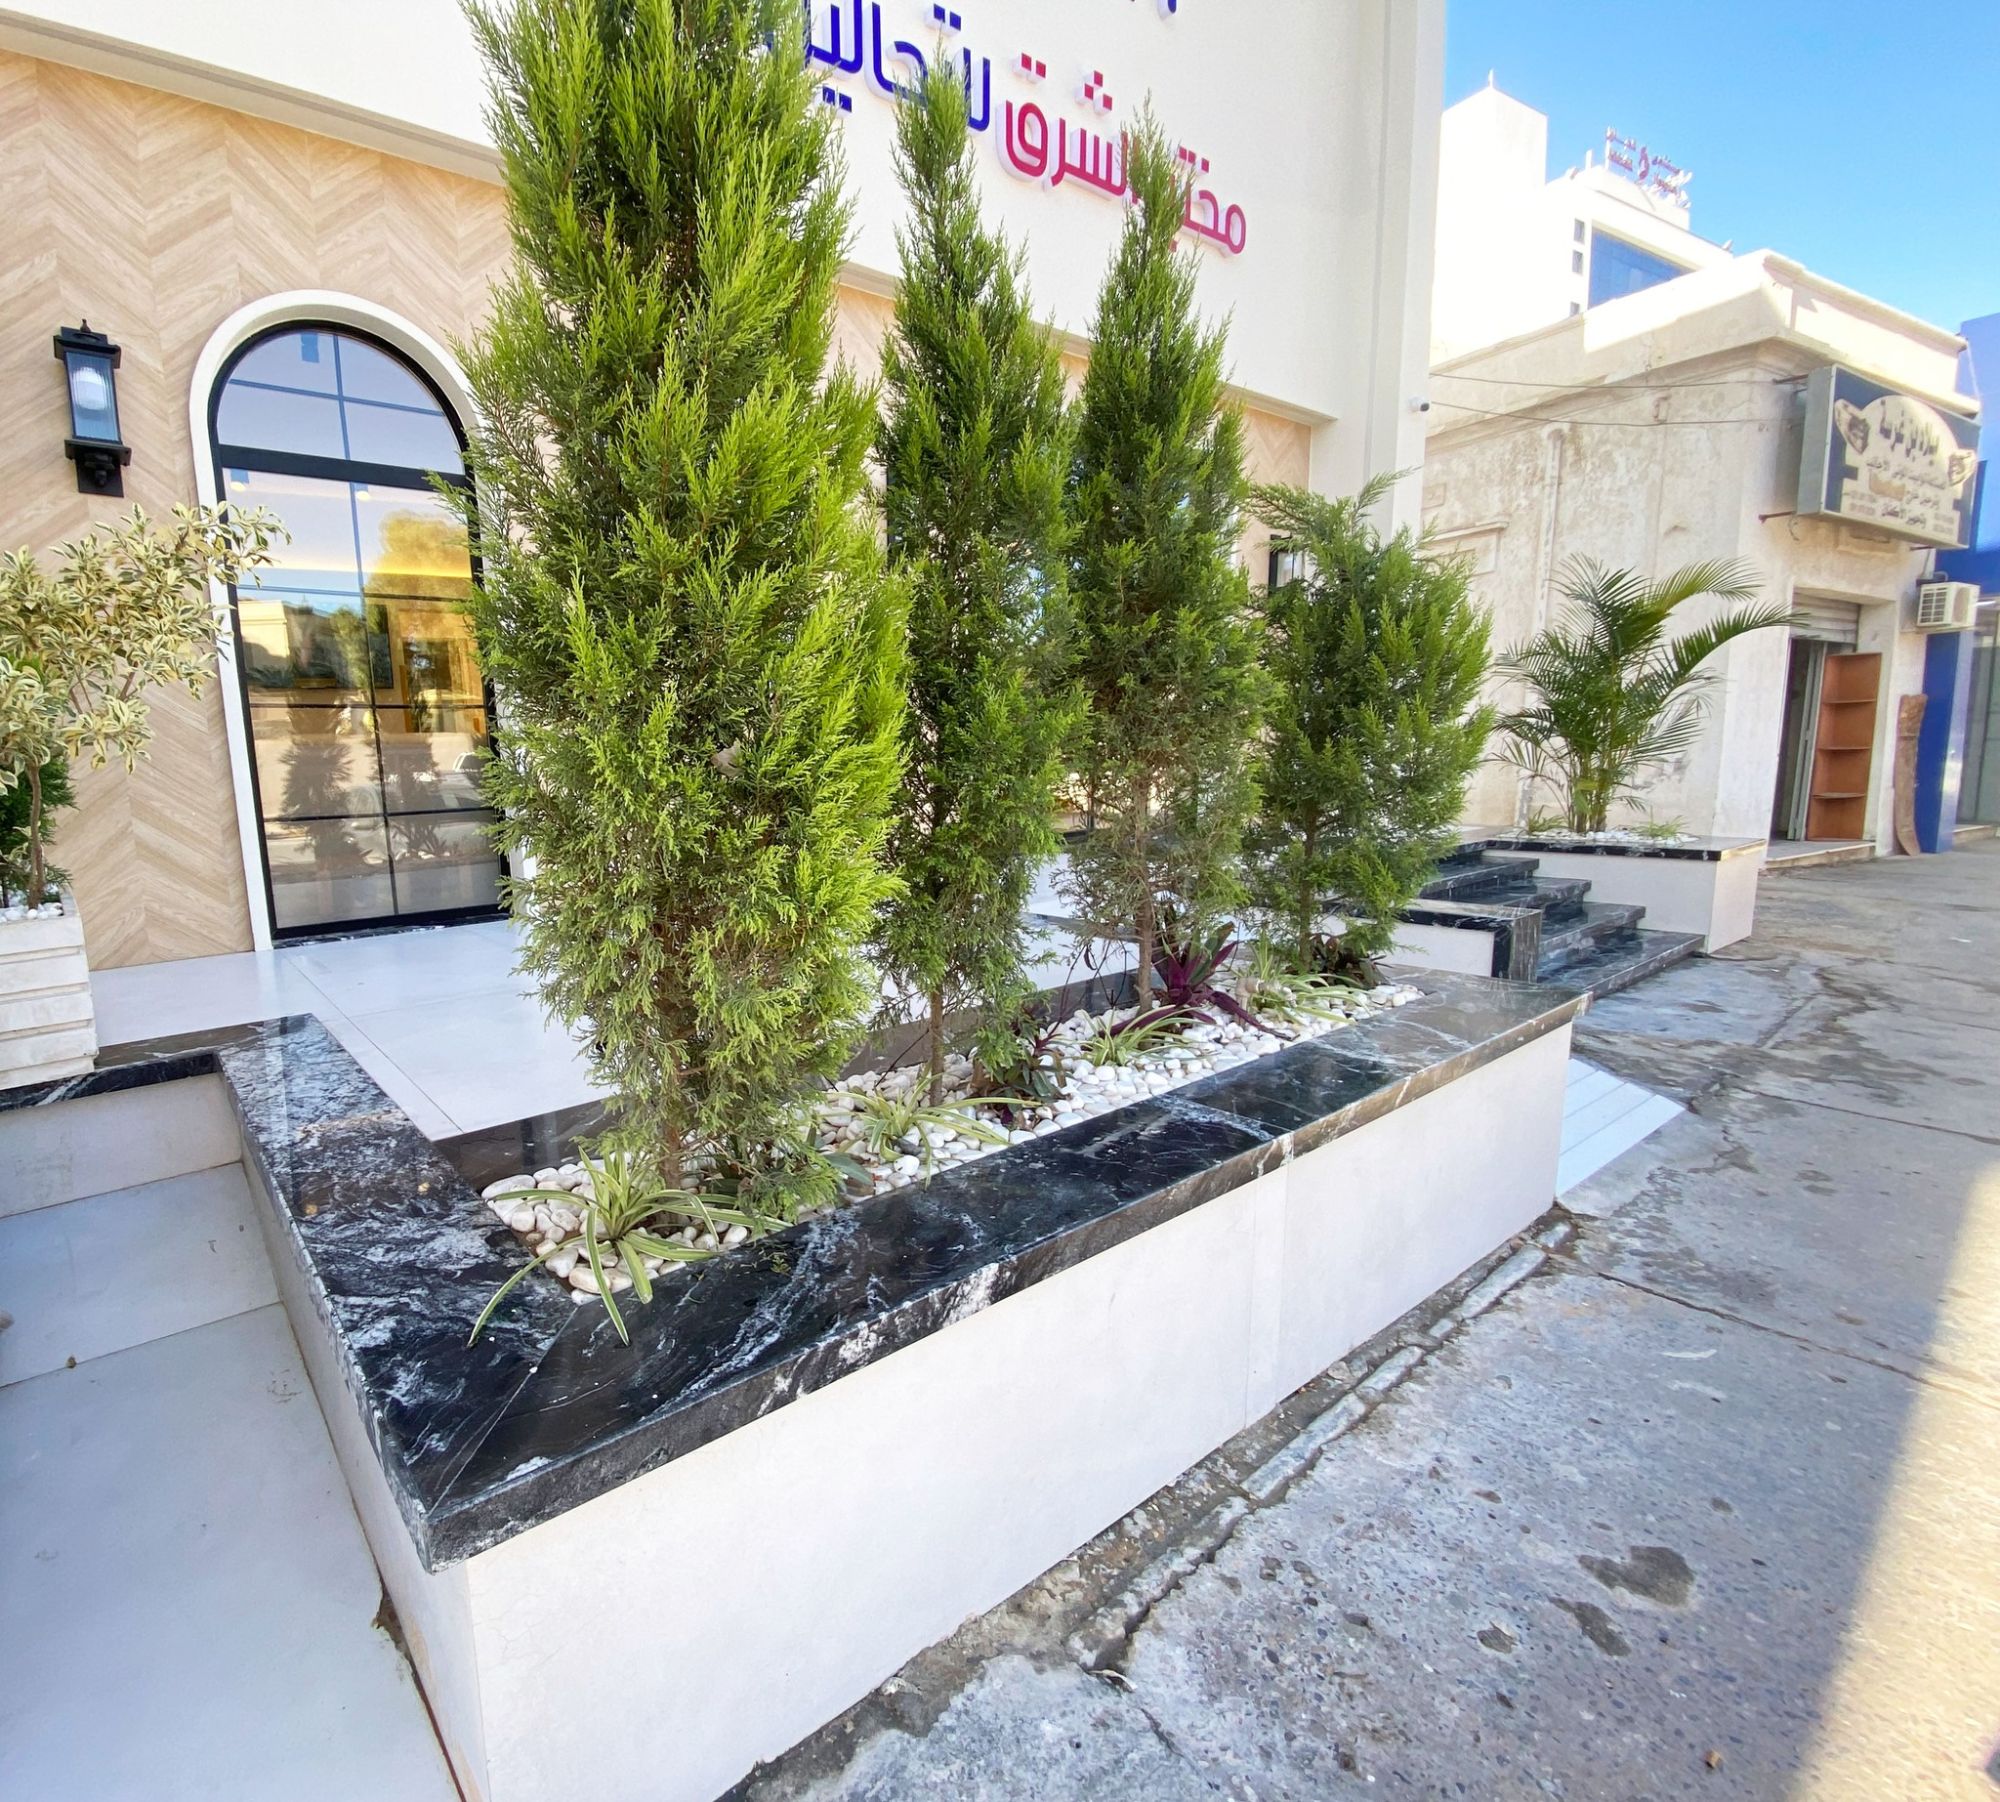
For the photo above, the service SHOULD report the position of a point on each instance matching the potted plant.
(121, 611)
(1614, 696)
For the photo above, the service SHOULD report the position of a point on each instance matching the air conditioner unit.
(1946, 606)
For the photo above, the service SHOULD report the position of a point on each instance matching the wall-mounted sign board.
(1877, 457)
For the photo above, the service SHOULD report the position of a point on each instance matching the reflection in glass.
(368, 718)
(328, 872)
(430, 760)
(444, 861)
(315, 761)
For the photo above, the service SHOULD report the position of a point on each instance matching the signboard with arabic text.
(1877, 457)
(1065, 137)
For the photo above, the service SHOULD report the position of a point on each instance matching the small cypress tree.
(974, 449)
(1377, 654)
(1168, 639)
(682, 602)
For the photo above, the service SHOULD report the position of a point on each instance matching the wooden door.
(1844, 745)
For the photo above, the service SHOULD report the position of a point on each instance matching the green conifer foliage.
(1377, 655)
(682, 603)
(975, 451)
(1168, 639)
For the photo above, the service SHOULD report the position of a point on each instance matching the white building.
(1673, 422)
(212, 181)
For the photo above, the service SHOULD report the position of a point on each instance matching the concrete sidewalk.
(1707, 1504)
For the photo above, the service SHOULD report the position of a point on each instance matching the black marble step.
(1475, 877)
(1610, 964)
(1588, 923)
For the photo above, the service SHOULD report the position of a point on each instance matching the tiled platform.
(437, 1016)
(1603, 1118)
(187, 1604)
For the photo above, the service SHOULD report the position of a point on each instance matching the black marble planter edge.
(549, 1410)
(1707, 850)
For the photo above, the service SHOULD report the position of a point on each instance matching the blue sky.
(1860, 137)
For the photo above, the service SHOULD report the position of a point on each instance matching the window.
(1576, 236)
(1618, 268)
(1576, 262)
(1575, 307)
(366, 709)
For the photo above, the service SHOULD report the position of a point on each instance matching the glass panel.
(1618, 268)
(276, 419)
(313, 646)
(370, 374)
(301, 360)
(314, 761)
(396, 435)
(320, 553)
(328, 872)
(367, 708)
(444, 862)
(431, 756)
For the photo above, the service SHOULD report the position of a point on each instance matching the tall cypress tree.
(1168, 640)
(682, 602)
(975, 450)
(1378, 654)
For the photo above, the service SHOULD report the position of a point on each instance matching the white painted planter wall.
(740, 1597)
(1680, 894)
(48, 1027)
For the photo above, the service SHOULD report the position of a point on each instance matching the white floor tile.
(400, 969)
(482, 1059)
(150, 1001)
(1585, 1157)
(185, 1596)
(92, 1277)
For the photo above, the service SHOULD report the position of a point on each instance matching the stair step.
(1614, 963)
(1462, 878)
(1588, 923)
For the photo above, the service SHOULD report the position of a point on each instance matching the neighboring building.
(1517, 251)
(1962, 761)
(1699, 417)
(283, 229)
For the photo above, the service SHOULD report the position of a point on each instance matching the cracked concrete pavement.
(1705, 1500)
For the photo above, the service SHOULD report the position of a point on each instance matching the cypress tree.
(682, 602)
(1168, 640)
(974, 448)
(1377, 655)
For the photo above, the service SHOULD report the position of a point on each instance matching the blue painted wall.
(1948, 656)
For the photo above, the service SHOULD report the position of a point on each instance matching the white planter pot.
(48, 1028)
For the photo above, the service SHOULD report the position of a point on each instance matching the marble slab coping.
(550, 1409)
(1561, 844)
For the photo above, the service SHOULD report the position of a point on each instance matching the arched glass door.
(366, 708)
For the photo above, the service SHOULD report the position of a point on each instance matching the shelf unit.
(1844, 745)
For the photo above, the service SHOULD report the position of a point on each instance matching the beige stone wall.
(156, 217)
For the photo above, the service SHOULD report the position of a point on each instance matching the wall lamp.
(90, 362)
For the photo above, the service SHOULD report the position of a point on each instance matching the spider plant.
(1614, 696)
(626, 1215)
(885, 1121)
(1121, 1046)
(1272, 988)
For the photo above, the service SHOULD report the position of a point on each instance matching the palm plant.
(1615, 696)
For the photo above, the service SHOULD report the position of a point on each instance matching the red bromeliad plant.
(1184, 972)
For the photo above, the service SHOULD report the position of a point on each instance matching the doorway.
(367, 710)
(1826, 750)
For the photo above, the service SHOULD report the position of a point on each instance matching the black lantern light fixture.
(89, 361)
